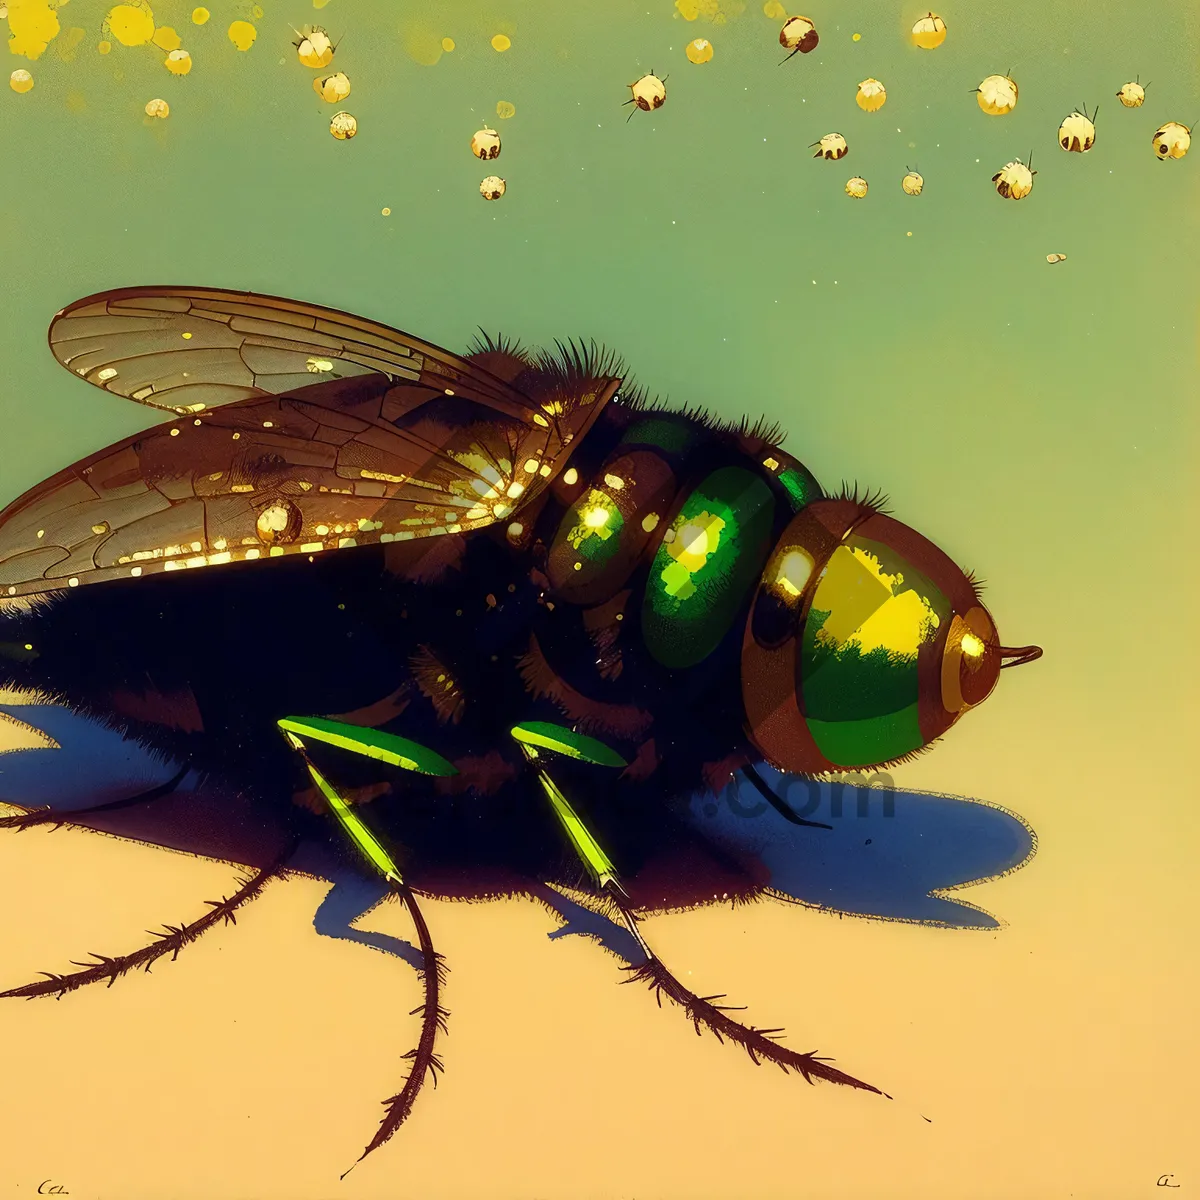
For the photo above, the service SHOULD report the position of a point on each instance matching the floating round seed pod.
(1172, 140)
(1014, 181)
(1132, 95)
(1077, 133)
(649, 92)
(343, 126)
(929, 32)
(799, 35)
(314, 49)
(832, 146)
(997, 95)
(333, 88)
(486, 144)
(872, 95)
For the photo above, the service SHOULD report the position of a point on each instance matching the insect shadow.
(886, 853)
(882, 852)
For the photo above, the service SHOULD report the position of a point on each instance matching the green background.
(1038, 422)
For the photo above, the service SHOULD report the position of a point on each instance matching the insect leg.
(433, 968)
(170, 941)
(760, 1044)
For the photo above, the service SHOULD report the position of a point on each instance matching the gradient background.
(1038, 422)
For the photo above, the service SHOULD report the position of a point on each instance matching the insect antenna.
(777, 802)
(433, 1018)
(171, 940)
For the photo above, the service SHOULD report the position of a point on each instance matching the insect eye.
(970, 661)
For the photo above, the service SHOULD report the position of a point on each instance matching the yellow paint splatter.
(320, 3)
(104, 47)
(500, 43)
(387, 212)
(32, 26)
(200, 15)
(717, 11)
(158, 108)
(257, 12)
(67, 46)
(166, 39)
(857, 37)
(447, 44)
(178, 62)
(699, 51)
(131, 25)
(20, 80)
(242, 34)
(422, 44)
(774, 11)
(504, 110)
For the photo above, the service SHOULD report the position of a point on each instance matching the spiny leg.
(399, 752)
(170, 941)
(423, 1057)
(761, 1044)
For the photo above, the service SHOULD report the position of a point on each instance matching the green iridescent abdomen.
(706, 565)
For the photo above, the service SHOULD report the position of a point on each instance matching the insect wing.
(366, 458)
(186, 349)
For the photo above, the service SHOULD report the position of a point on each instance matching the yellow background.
(1038, 422)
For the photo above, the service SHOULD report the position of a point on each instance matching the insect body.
(1077, 133)
(466, 591)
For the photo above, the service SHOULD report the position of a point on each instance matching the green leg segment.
(350, 821)
(410, 756)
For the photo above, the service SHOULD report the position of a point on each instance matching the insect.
(831, 146)
(1172, 140)
(1014, 181)
(469, 626)
(799, 35)
(1077, 133)
(649, 93)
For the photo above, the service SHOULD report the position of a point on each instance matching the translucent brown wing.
(186, 350)
(354, 461)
